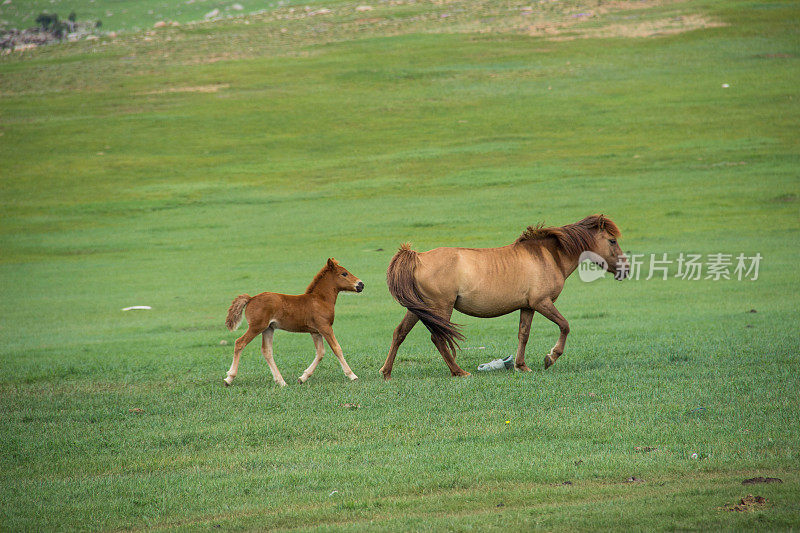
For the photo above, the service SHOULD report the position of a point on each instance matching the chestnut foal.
(311, 312)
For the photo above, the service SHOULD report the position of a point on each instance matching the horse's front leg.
(525, 318)
(320, 351)
(337, 351)
(547, 309)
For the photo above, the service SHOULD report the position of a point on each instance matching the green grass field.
(179, 167)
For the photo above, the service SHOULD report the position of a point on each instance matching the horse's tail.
(403, 286)
(236, 310)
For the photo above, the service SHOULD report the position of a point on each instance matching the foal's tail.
(404, 288)
(236, 310)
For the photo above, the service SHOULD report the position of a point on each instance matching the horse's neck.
(326, 290)
(567, 263)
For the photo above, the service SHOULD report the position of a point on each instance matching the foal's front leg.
(547, 309)
(337, 351)
(266, 349)
(320, 348)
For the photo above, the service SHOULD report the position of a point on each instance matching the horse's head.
(342, 279)
(607, 247)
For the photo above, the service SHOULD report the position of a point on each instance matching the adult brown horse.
(527, 275)
(311, 312)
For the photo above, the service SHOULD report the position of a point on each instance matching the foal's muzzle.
(359, 286)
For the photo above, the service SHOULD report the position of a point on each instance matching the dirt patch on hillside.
(570, 30)
(756, 480)
(192, 89)
(748, 503)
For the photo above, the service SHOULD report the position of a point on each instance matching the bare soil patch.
(193, 89)
(756, 480)
(748, 503)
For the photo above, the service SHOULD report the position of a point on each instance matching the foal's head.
(342, 279)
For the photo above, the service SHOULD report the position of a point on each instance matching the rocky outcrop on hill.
(50, 30)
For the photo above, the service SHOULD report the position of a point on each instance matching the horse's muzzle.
(623, 269)
(359, 286)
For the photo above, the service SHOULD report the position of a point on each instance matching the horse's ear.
(331, 262)
(601, 221)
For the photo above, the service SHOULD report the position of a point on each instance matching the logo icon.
(591, 266)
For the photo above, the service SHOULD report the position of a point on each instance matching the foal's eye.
(612, 241)
(344, 274)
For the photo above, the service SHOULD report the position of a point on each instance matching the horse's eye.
(344, 274)
(613, 241)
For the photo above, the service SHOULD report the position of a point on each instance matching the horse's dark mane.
(572, 238)
(321, 274)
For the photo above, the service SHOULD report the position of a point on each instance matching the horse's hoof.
(522, 368)
(353, 377)
(226, 383)
(548, 362)
(282, 383)
(300, 381)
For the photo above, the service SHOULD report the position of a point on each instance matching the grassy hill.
(178, 167)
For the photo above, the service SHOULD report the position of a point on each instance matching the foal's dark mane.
(321, 274)
(571, 238)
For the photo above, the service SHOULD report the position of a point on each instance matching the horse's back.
(482, 282)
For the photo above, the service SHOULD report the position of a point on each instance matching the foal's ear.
(601, 221)
(332, 262)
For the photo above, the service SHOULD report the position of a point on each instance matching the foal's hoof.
(548, 362)
(353, 377)
(226, 383)
(300, 380)
(522, 368)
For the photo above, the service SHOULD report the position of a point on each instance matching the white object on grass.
(497, 364)
(136, 307)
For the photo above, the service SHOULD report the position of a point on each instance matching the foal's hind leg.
(547, 309)
(241, 342)
(398, 337)
(266, 349)
(525, 318)
(320, 349)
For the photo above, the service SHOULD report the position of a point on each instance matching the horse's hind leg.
(241, 342)
(400, 332)
(448, 352)
(525, 318)
(266, 349)
(547, 309)
(449, 357)
(320, 349)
